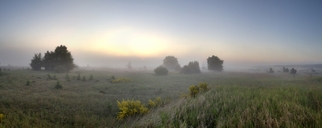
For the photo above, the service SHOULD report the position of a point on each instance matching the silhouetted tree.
(214, 63)
(36, 62)
(285, 69)
(60, 60)
(293, 71)
(192, 67)
(161, 70)
(171, 63)
(270, 70)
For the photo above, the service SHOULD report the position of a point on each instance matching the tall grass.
(241, 100)
(244, 106)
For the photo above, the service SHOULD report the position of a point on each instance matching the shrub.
(130, 108)
(1, 116)
(194, 90)
(48, 77)
(28, 83)
(154, 103)
(192, 67)
(203, 87)
(58, 85)
(270, 70)
(293, 71)
(161, 70)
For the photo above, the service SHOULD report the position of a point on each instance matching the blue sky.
(111, 33)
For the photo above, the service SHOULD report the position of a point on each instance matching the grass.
(234, 100)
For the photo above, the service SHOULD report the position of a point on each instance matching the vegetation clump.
(270, 70)
(293, 71)
(171, 63)
(58, 85)
(195, 90)
(60, 60)
(27, 82)
(161, 70)
(192, 67)
(214, 63)
(285, 70)
(1, 117)
(155, 103)
(130, 108)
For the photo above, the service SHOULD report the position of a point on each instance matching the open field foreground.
(33, 99)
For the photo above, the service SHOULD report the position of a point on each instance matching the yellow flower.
(1, 117)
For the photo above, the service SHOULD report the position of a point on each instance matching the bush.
(130, 108)
(270, 70)
(194, 90)
(192, 67)
(1, 116)
(28, 83)
(156, 102)
(161, 70)
(203, 87)
(293, 71)
(58, 85)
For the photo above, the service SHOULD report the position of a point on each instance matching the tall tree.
(214, 63)
(171, 63)
(59, 60)
(36, 62)
(49, 60)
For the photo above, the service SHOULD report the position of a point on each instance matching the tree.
(171, 63)
(214, 63)
(60, 60)
(293, 71)
(285, 69)
(36, 62)
(63, 58)
(49, 60)
(192, 67)
(270, 70)
(161, 70)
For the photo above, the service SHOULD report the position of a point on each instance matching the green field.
(234, 100)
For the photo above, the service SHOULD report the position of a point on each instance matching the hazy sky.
(111, 33)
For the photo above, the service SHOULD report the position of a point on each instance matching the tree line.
(171, 63)
(59, 60)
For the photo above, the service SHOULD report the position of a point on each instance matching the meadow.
(235, 99)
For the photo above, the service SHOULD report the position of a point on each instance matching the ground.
(30, 99)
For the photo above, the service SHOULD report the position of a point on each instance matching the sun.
(131, 42)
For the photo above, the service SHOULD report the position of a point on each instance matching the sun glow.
(129, 42)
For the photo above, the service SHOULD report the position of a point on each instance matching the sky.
(112, 33)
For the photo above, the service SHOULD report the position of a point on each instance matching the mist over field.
(112, 33)
(160, 63)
